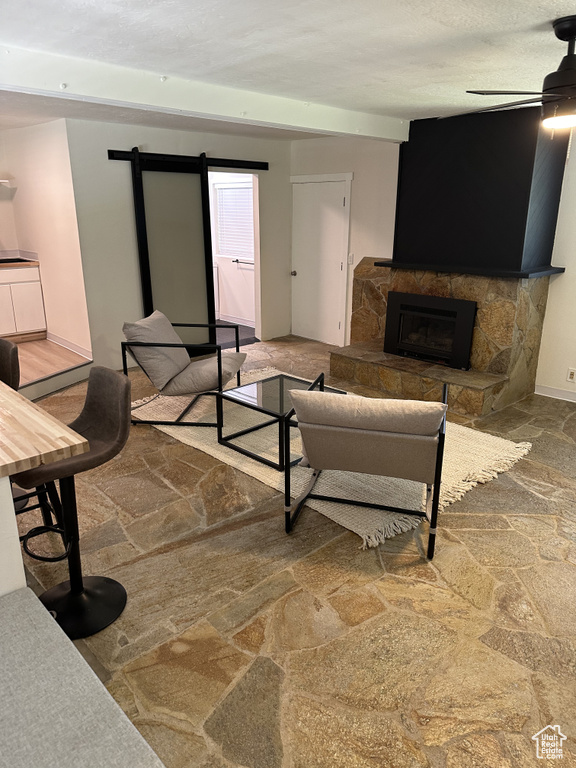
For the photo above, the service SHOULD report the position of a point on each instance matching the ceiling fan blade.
(508, 93)
(493, 108)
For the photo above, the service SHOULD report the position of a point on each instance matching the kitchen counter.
(17, 264)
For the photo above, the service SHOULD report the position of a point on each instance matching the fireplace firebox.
(430, 328)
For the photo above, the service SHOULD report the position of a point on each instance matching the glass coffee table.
(271, 398)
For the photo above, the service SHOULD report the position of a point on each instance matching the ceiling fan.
(558, 94)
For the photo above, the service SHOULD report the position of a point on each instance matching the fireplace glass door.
(431, 328)
(428, 334)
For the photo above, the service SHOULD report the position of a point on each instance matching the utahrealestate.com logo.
(549, 742)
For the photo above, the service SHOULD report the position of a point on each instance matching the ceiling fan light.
(559, 114)
(559, 121)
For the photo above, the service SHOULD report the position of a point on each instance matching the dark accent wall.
(480, 194)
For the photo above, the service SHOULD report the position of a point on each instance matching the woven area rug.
(470, 457)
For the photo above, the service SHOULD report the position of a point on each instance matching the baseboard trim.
(237, 320)
(558, 394)
(87, 353)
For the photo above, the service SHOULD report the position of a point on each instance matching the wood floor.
(42, 359)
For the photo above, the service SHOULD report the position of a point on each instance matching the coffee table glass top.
(248, 433)
(270, 395)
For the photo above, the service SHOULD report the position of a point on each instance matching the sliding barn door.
(177, 250)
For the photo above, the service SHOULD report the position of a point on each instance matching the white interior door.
(236, 290)
(320, 227)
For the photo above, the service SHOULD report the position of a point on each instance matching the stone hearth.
(505, 344)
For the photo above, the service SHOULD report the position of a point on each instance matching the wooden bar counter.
(29, 437)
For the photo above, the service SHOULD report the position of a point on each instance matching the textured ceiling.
(399, 58)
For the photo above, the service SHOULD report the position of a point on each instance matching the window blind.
(235, 221)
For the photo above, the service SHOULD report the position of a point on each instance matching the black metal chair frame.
(200, 349)
(49, 504)
(291, 517)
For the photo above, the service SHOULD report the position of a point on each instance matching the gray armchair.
(392, 438)
(170, 366)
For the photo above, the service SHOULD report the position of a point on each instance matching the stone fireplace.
(505, 341)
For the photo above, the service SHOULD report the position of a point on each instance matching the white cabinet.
(21, 302)
(7, 321)
(28, 307)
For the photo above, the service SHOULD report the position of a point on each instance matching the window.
(234, 220)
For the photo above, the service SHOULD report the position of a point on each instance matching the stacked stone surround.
(505, 346)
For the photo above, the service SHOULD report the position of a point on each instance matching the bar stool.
(84, 605)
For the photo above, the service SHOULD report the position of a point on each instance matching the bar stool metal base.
(83, 614)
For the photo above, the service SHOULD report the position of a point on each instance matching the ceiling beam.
(47, 74)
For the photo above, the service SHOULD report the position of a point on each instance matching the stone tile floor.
(241, 646)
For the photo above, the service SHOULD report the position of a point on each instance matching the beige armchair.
(391, 438)
(170, 366)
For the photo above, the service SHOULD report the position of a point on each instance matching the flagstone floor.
(241, 646)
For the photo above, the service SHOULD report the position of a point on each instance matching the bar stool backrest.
(9, 364)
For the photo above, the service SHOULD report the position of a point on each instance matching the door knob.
(293, 273)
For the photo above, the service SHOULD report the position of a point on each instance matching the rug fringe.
(391, 528)
(401, 524)
(503, 464)
(144, 400)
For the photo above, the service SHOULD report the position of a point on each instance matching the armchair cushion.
(161, 364)
(202, 375)
(412, 417)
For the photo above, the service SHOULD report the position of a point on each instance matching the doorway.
(174, 235)
(235, 248)
(320, 227)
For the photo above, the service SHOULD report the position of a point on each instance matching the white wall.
(373, 200)
(373, 194)
(558, 350)
(45, 222)
(104, 205)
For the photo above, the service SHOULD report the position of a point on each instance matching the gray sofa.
(54, 711)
